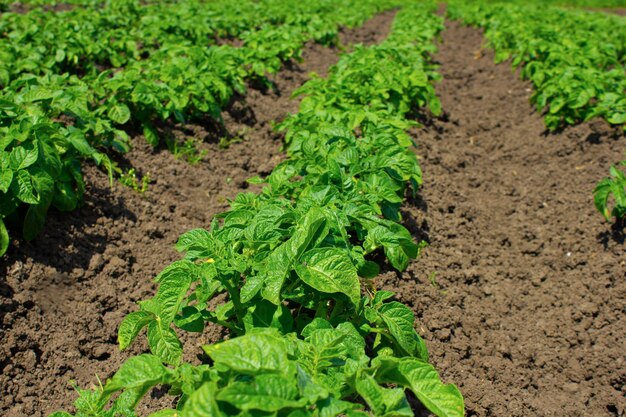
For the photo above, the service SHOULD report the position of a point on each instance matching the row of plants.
(575, 59)
(86, 40)
(571, 3)
(290, 272)
(51, 122)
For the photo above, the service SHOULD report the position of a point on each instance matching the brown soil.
(63, 295)
(521, 295)
(617, 10)
(21, 8)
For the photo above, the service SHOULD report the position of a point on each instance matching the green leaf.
(399, 319)
(434, 105)
(266, 314)
(383, 401)
(151, 135)
(164, 343)
(174, 283)
(443, 400)
(330, 270)
(312, 228)
(119, 113)
(25, 189)
(617, 118)
(369, 269)
(202, 402)
(138, 372)
(250, 354)
(4, 238)
(21, 157)
(190, 320)
(130, 327)
(397, 242)
(77, 138)
(601, 196)
(6, 173)
(35, 219)
(270, 393)
(197, 243)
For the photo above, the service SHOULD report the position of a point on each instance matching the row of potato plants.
(574, 58)
(86, 40)
(290, 271)
(50, 122)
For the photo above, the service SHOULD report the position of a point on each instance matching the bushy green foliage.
(575, 59)
(288, 271)
(39, 162)
(96, 71)
(567, 3)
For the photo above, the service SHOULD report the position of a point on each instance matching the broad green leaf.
(4, 238)
(151, 135)
(250, 354)
(330, 270)
(6, 173)
(313, 228)
(25, 189)
(397, 242)
(617, 118)
(138, 372)
(77, 138)
(35, 219)
(202, 403)
(268, 393)
(601, 197)
(309, 390)
(434, 105)
(21, 157)
(383, 401)
(197, 243)
(174, 283)
(250, 288)
(190, 320)
(119, 113)
(266, 314)
(443, 400)
(130, 327)
(164, 343)
(399, 319)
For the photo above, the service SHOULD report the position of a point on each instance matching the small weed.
(432, 277)
(129, 179)
(239, 137)
(187, 150)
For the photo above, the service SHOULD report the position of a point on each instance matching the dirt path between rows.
(63, 295)
(521, 295)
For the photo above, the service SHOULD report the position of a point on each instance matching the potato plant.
(293, 266)
(614, 186)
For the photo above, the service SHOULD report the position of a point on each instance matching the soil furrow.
(63, 295)
(522, 293)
